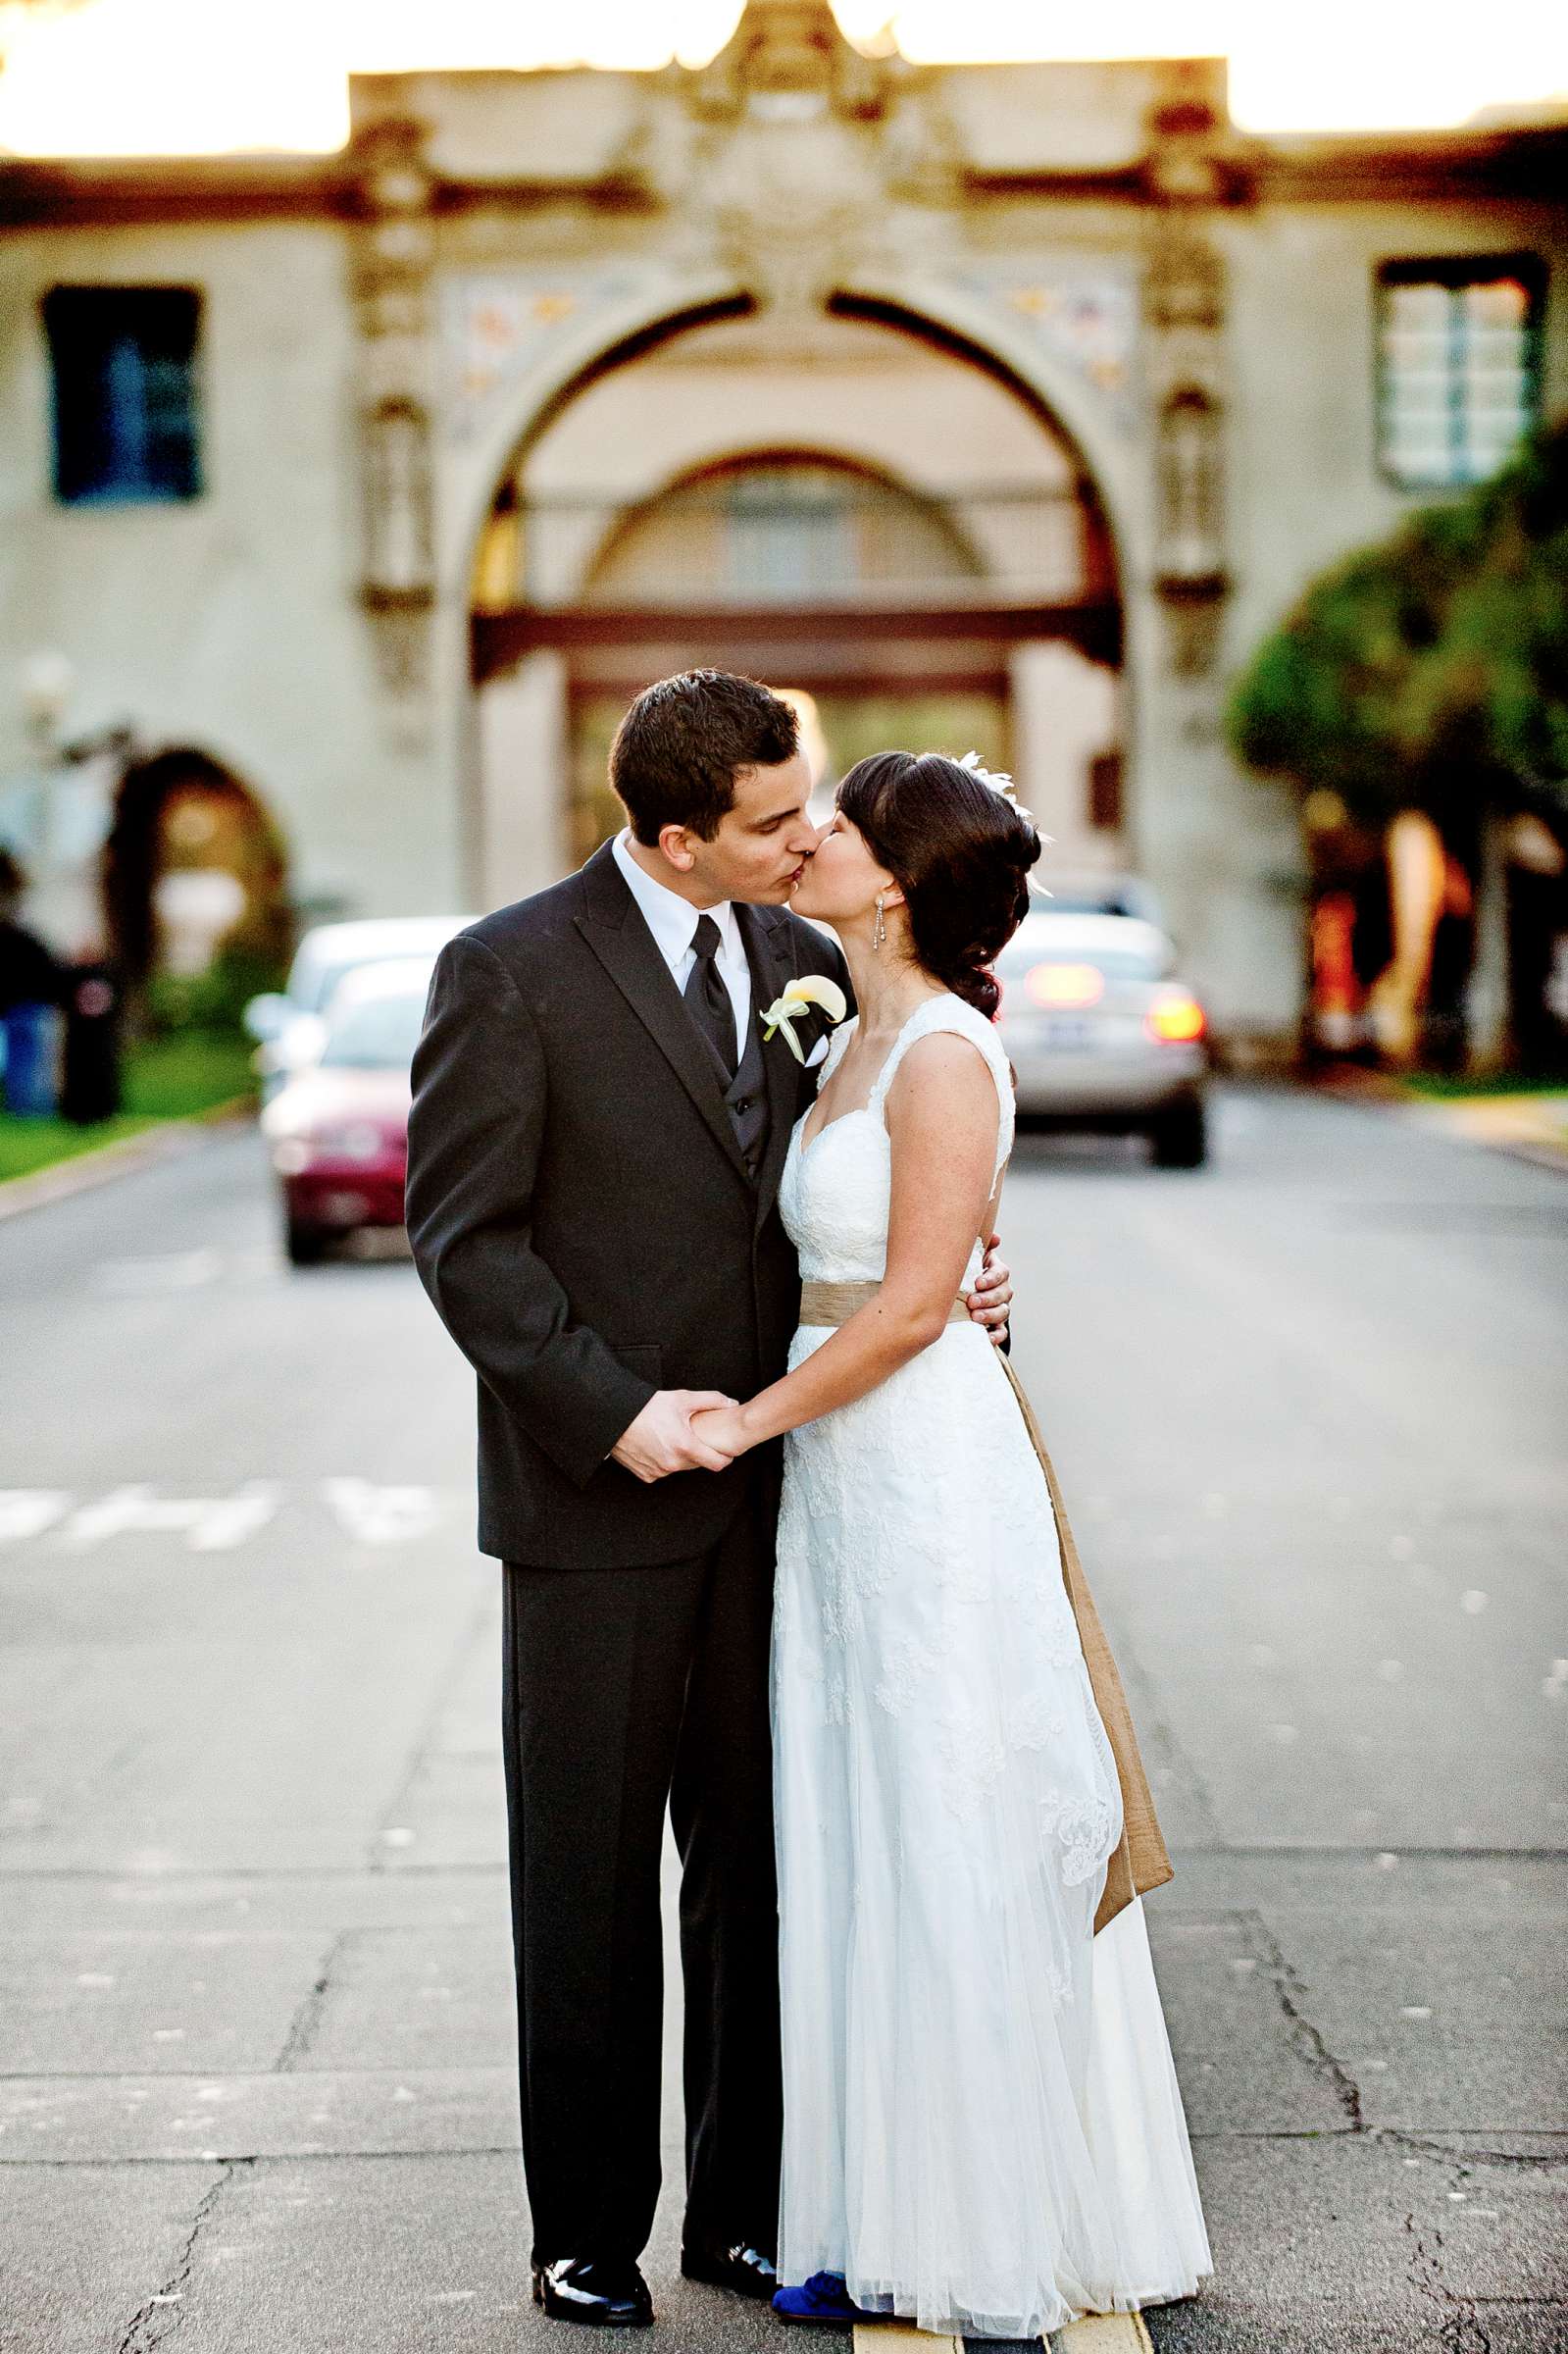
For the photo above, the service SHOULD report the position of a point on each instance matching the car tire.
(305, 1245)
(1179, 1138)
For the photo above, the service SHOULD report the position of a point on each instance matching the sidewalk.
(1529, 1123)
(1534, 1125)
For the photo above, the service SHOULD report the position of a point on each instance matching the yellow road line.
(886, 2337)
(1105, 2333)
(1096, 2334)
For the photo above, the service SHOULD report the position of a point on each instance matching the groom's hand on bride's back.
(661, 1440)
(991, 1302)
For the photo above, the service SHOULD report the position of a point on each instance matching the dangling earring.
(880, 932)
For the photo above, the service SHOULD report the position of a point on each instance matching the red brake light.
(1058, 987)
(1177, 1017)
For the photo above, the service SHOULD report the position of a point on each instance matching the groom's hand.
(990, 1301)
(662, 1440)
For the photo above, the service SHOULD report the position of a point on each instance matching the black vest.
(745, 1095)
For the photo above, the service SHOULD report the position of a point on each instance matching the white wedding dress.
(983, 2129)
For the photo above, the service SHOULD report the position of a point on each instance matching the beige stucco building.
(1010, 401)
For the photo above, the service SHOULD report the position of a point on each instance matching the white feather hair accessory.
(999, 782)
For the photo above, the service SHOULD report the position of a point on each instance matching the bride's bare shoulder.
(945, 1073)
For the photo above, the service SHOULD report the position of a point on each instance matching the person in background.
(30, 983)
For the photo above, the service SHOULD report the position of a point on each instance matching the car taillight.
(1176, 1017)
(1060, 986)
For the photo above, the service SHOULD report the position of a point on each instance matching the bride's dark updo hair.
(959, 851)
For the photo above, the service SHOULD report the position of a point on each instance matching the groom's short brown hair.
(678, 749)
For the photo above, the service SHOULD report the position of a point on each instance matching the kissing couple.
(706, 1201)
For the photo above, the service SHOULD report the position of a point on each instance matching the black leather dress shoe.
(745, 2270)
(607, 2292)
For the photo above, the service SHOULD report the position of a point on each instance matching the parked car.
(338, 1129)
(1098, 1028)
(287, 1023)
(1096, 892)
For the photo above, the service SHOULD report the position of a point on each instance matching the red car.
(338, 1130)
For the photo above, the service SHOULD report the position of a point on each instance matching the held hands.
(701, 1430)
(663, 1438)
(722, 1429)
(991, 1300)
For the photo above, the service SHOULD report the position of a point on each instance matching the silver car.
(1098, 1028)
(290, 1026)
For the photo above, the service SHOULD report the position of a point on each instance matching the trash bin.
(89, 1087)
(29, 1081)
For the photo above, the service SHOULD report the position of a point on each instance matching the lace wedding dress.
(981, 2124)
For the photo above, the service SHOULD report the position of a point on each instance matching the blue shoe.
(823, 2299)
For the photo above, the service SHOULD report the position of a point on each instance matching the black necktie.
(707, 997)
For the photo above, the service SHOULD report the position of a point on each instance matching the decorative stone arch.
(1110, 465)
(606, 340)
(1114, 466)
(512, 850)
(246, 845)
(947, 537)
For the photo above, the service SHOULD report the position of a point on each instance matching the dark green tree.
(1493, 685)
(1431, 671)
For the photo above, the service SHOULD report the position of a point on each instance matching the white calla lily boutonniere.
(795, 998)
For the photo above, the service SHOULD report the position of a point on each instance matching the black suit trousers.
(624, 1692)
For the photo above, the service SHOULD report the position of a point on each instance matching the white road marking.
(209, 1523)
(375, 1515)
(168, 1271)
(364, 1511)
(29, 1511)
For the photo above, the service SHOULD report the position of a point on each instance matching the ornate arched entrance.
(195, 878)
(849, 505)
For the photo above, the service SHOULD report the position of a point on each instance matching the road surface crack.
(1310, 2045)
(165, 2309)
(1460, 2329)
(1306, 2040)
(307, 2019)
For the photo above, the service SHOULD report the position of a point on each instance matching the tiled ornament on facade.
(1086, 319)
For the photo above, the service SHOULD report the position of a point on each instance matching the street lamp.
(46, 680)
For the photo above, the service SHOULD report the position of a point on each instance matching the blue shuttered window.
(124, 364)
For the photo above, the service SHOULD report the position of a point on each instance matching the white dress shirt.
(672, 921)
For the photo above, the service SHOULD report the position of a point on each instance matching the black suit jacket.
(582, 1216)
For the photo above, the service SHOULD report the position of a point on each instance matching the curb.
(168, 1140)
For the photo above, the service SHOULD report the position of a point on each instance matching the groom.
(597, 1138)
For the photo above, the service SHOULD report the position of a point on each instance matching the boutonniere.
(807, 990)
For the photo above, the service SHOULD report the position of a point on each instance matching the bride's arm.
(941, 1124)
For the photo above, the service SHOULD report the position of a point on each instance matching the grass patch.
(174, 1078)
(167, 1078)
(1487, 1082)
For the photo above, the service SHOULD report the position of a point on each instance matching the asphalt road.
(1310, 1409)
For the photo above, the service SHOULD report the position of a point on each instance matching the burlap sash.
(1140, 1861)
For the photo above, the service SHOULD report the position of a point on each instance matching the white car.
(1100, 1031)
(289, 1026)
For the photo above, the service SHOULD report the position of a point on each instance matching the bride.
(983, 2131)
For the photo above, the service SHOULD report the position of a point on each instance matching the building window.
(1458, 366)
(789, 532)
(124, 392)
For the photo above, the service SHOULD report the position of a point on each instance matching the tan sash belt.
(836, 1302)
(1140, 1861)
